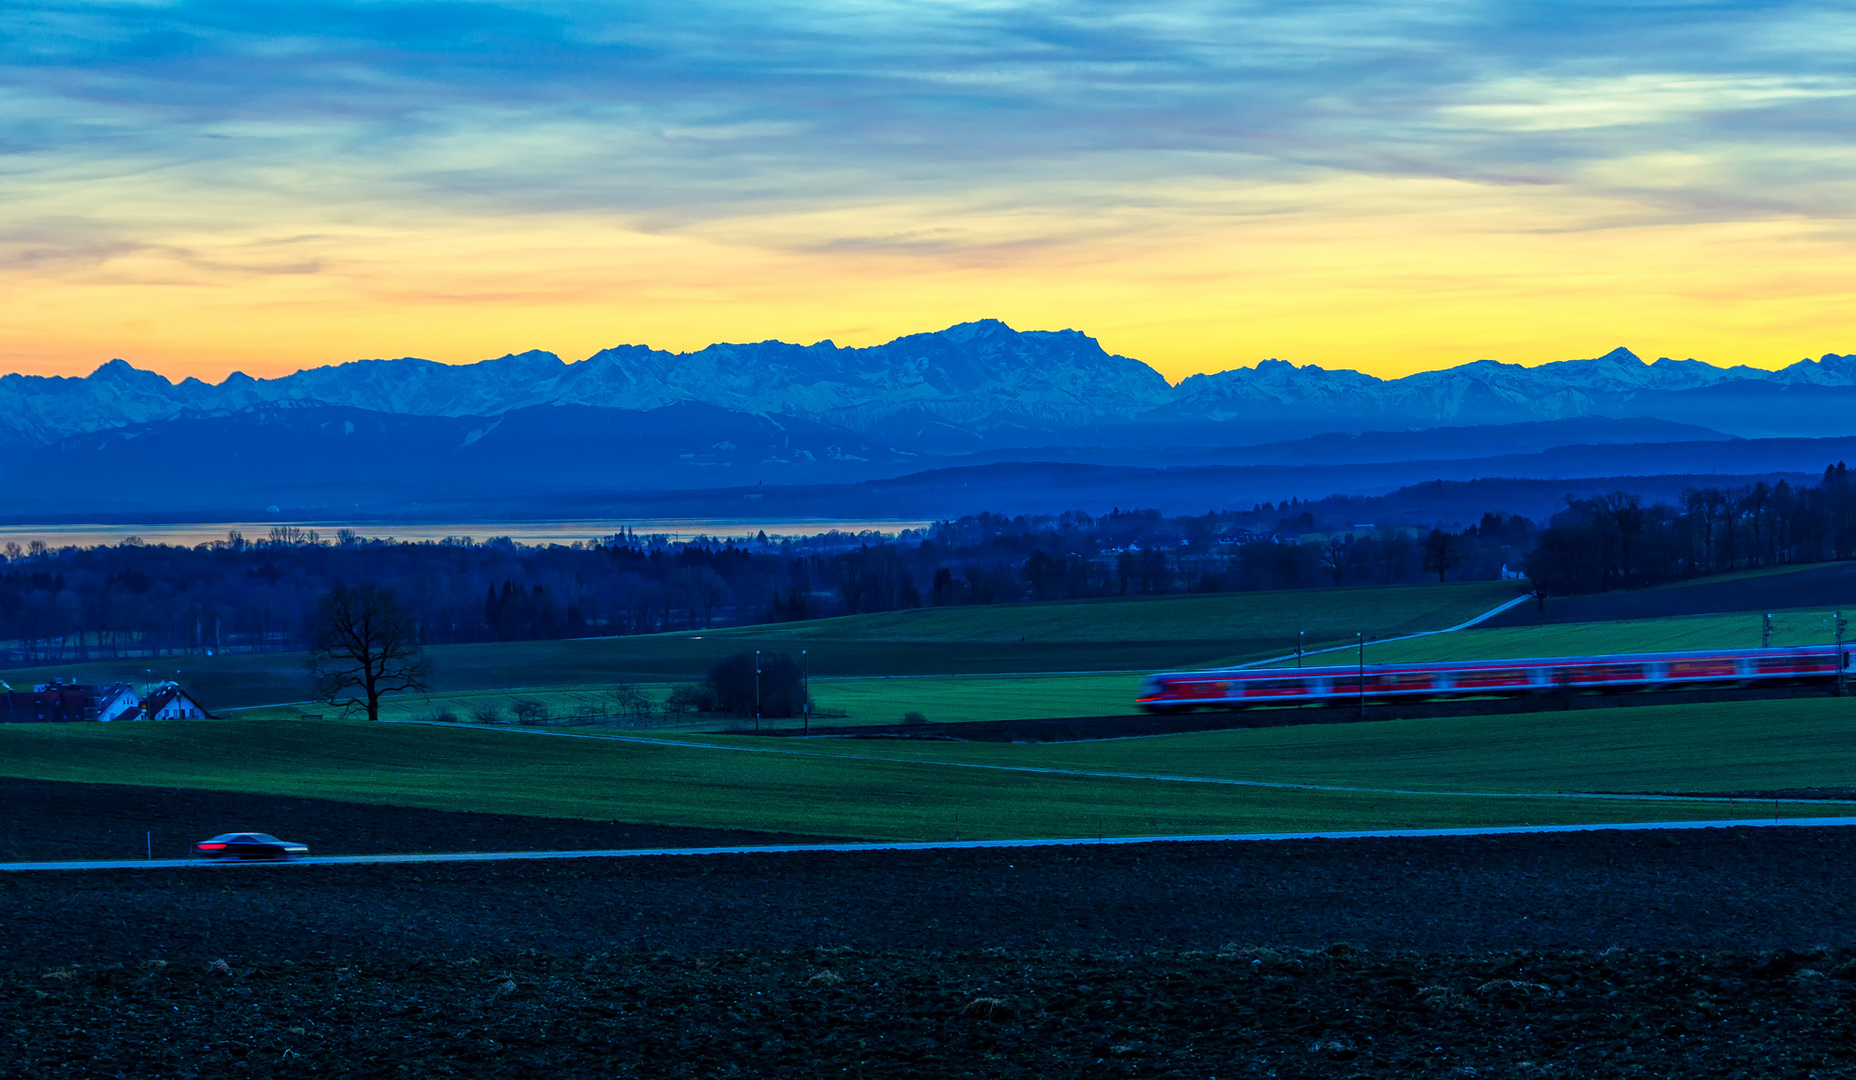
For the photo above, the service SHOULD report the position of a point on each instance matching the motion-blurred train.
(1238, 688)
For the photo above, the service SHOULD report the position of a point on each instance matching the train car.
(1243, 688)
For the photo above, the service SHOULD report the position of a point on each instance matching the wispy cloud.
(1546, 104)
(933, 129)
(696, 110)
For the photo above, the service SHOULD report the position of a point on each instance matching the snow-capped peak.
(975, 375)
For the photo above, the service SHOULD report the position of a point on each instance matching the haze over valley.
(970, 418)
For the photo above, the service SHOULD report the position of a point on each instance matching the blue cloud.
(683, 113)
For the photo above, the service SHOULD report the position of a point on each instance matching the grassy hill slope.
(1142, 633)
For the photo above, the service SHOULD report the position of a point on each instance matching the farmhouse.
(118, 702)
(61, 702)
(170, 702)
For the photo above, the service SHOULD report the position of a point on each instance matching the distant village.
(64, 702)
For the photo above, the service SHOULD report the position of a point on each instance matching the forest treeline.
(1615, 542)
(238, 594)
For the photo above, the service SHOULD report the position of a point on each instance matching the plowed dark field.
(1336, 1012)
(1718, 953)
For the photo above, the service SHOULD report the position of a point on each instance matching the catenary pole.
(1362, 636)
(1842, 659)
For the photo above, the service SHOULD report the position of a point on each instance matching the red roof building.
(61, 702)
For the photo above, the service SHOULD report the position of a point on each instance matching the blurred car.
(248, 845)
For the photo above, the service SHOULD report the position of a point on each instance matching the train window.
(1793, 664)
(1491, 677)
(1597, 673)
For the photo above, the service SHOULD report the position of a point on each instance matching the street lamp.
(805, 707)
(757, 690)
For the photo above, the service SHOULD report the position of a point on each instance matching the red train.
(1237, 688)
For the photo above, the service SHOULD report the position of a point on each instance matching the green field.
(958, 698)
(1021, 661)
(853, 701)
(1729, 631)
(1257, 620)
(1136, 634)
(1729, 746)
(563, 704)
(1773, 570)
(801, 787)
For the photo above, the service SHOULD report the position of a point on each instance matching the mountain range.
(978, 395)
(944, 392)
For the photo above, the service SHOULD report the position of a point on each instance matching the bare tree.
(630, 702)
(1621, 515)
(364, 647)
(1441, 553)
(1336, 557)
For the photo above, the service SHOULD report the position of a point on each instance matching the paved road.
(943, 845)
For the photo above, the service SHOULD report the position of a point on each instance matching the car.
(248, 845)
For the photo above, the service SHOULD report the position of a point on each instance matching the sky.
(1388, 186)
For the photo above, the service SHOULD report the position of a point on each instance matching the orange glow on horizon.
(1436, 276)
(1386, 188)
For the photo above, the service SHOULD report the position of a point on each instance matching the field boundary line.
(1165, 778)
(951, 845)
(571, 688)
(1484, 617)
(276, 705)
